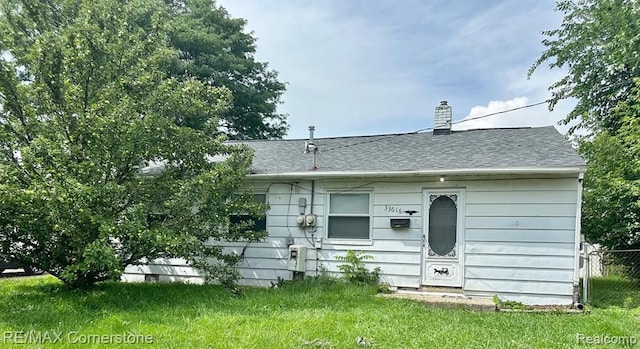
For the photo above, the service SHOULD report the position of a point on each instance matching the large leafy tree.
(215, 49)
(95, 173)
(611, 210)
(598, 43)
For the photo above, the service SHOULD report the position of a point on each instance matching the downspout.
(577, 238)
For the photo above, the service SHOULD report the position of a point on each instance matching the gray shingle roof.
(542, 147)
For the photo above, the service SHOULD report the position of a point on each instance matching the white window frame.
(328, 214)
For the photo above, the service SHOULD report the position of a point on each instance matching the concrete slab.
(450, 300)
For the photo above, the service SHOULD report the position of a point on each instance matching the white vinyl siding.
(520, 240)
(518, 235)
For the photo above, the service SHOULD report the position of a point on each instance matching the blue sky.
(358, 67)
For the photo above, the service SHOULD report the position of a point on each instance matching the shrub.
(355, 270)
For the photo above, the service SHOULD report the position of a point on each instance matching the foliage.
(355, 271)
(179, 316)
(611, 205)
(597, 44)
(496, 300)
(94, 172)
(321, 281)
(506, 304)
(215, 49)
(384, 288)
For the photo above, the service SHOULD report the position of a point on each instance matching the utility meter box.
(298, 258)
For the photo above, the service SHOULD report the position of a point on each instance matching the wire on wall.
(289, 214)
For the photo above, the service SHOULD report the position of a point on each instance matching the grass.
(318, 312)
(612, 291)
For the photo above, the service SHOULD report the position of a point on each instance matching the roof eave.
(577, 170)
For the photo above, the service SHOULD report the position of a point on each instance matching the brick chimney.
(442, 119)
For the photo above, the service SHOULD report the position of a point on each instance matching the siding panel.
(515, 185)
(397, 234)
(510, 261)
(519, 274)
(518, 235)
(522, 210)
(399, 246)
(520, 248)
(398, 198)
(522, 197)
(378, 257)
(539, 223)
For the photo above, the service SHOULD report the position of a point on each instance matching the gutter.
(418, 173)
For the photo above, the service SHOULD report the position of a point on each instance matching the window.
(349, 216)
(443, 216)
(260, 222)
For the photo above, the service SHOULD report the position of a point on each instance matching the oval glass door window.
(443, 218)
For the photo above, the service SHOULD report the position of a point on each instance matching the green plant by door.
(355, 270)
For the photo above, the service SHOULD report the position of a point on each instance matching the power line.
(431, 128)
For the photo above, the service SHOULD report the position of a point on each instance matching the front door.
(442, 239)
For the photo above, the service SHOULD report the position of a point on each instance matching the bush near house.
(356, 271)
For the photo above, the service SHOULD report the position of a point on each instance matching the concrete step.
(441, 289)
(451, 300)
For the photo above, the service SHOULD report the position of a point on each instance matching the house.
(483, 212)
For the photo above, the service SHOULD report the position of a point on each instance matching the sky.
(363, 67)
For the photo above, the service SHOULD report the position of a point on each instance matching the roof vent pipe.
(442, 119)
(311, 129)
(310, 147)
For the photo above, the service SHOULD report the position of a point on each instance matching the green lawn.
(615, 291)
(316, 312)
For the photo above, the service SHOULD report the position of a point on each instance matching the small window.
(260, 222)
(349, 216)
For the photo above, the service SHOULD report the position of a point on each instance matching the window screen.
(443, 217)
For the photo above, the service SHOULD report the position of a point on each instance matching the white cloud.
(524, 115)
(511, 119)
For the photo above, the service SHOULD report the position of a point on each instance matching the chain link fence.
(612, 277)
